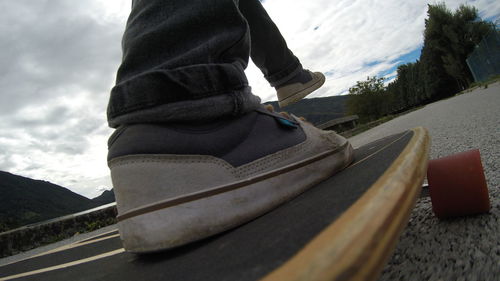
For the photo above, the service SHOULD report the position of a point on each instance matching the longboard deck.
(345, 227)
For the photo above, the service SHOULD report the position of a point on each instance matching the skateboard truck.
(457, 185)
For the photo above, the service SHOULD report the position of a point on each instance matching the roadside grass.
(482, 84)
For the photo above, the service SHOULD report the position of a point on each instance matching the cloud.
(53, 48)
(59, 60)
(351, 39)
(348, 40)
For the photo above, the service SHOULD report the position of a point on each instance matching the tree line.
(440, 72)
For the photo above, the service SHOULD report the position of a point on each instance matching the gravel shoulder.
(458, 249)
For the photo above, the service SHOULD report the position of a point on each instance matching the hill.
(24, 201)
(108, 196)
(316, 110)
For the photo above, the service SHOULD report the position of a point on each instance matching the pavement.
(459, 249)
(430, 249)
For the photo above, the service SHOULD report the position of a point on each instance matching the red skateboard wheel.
(457, 185)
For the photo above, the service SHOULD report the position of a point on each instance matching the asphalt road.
(430, 249)
(459, 249)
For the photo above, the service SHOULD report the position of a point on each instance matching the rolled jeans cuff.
(234, 103)
(180, 93)
(277, 79)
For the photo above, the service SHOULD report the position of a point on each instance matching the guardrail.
(38, 234)
(340, 124)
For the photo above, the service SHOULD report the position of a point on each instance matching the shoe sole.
(181, 220)
(295, 97)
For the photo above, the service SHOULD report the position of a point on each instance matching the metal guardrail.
(66, 217)
(336, 123)
(38, 234)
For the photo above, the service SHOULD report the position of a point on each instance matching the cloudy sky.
(59, 59)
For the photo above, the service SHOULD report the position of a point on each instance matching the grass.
(482, 84)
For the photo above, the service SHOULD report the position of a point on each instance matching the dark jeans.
(184, 60)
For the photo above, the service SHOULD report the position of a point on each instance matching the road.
(430, 249)
(459, 249)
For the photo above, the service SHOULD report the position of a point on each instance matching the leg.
(182, 60)
(270, 53)
(269, 50)
(194, 154)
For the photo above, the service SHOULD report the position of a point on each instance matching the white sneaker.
(175, 184)
(294, 92)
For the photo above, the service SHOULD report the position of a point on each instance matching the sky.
(59, 60)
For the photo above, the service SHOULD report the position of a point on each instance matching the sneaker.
(298, 88)
(178, 183)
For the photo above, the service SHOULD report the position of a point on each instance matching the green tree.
(453, 35)
(437, 82)
(366, 99)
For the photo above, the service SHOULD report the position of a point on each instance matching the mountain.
(24, 201)
(108, 196)
(316, 110)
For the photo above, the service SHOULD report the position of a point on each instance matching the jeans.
(184, 60)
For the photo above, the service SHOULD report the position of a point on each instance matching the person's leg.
(182, 60)
(193, 155)
(271, 55)
(269, 50)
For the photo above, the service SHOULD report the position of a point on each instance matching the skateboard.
(344, 228)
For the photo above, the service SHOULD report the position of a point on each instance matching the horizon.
(63, 59)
